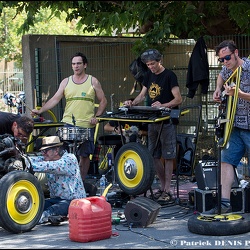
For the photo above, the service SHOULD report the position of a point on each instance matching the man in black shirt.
(160, 87)
(19, 126)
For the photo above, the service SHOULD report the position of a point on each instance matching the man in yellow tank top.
(80, 91)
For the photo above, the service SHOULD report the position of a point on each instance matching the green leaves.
(154, 21)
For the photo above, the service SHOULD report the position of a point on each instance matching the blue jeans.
(57, 206)
(238, 144)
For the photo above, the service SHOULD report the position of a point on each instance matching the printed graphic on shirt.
(241, 120)
(154, 91)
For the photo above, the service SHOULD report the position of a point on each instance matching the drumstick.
(27, 107)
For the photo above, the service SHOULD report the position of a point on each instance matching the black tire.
(134, 168)
(219, 225)
(21, 201)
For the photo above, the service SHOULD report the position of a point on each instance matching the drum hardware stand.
(112, 102)
(174, 119)
(111, 165)
(219, 178)
(75, 141)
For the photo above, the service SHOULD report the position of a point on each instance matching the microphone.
(73, 120)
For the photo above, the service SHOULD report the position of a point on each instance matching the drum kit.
(73, 136)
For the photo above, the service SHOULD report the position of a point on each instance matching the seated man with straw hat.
(64, 179)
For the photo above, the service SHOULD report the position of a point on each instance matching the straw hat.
(50, 142)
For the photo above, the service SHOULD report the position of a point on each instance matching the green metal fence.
(109, 62)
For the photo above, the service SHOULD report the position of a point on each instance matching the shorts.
(166, 147)
(236, 147)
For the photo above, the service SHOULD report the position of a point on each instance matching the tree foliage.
(154, 21)
(46, 23)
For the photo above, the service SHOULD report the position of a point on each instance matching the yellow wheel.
(21, 201)
(134, 168)
(219, 225)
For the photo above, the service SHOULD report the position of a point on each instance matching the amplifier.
(206, 175)
(247, 198)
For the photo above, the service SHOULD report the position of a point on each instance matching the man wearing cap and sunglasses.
(160, 85)
(64, 179)
(239, 141)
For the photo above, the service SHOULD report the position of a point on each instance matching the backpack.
(138, 69)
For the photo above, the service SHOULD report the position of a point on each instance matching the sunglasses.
(44, 151)
(228, 57)
(148, 53)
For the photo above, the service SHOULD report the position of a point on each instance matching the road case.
(207, 199)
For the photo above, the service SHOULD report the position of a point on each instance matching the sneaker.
(44, 218)
(214, 211)
(55, 220)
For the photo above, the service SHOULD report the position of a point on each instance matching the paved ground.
(169, 230)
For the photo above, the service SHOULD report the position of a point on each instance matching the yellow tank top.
(80, 102)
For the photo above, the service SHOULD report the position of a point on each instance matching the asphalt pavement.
(169, 229)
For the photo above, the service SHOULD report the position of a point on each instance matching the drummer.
(80, 91)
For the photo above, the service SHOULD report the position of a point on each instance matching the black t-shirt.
(6, 121)
(160, 86)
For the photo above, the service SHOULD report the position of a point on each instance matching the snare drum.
(73, 134)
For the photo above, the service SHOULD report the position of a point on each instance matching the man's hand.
(34, 112)
(93, 121)
(217, 95)
(128, 103)
(156, 104)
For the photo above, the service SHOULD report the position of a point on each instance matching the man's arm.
(54, 167)
(138, 99)
(53, 101)
(217, 92)
(100, 97)
(177, 98)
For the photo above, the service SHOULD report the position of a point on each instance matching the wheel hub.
(23, 202)
(130, 168)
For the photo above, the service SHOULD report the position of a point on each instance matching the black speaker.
(206, 175)
(247, 198)
(141, 211)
